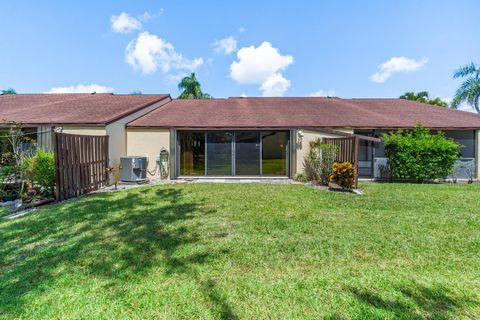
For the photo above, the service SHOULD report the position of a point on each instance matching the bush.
(40, 170)
(5, 173)
(420, 155)
(343, 174)
(319, 160)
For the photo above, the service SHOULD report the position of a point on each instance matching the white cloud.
(81, 89)
(147, 16)
(148, 52)
(274, 86)
(175, 78)
(323, 93)
(243, 95)
(123, 23)
(262, 66)
(396, 64)
(241, 29)
(225, 46)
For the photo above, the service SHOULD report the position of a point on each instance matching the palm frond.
(466, 70)
(191, 88)
(463, 92)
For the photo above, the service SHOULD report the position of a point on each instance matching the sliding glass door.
(247, 153)
(274, 153)
(233, 153)
(192, 153)
(219, 153)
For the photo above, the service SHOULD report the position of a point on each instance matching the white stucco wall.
(302, 147)
(85, 130)
(148, 143)
(117, 131)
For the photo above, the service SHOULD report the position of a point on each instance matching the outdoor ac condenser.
(133, 169)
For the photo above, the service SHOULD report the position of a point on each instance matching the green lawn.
(247, 251)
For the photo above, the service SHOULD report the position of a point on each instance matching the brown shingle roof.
(304, 112)
(100, 108)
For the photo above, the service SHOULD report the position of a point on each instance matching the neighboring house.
(236, 137)
(89, 114)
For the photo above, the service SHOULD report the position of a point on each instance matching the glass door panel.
(274, 153)
(219, 153)
(192, 153)
(247, 153)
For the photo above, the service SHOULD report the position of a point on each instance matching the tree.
(469, 90)
(423, 97)
(191, 88)
(9, 91)
(136, 92)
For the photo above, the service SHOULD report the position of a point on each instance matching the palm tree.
(423, 97)
(191, 88)
(8, 91)
(469, 90)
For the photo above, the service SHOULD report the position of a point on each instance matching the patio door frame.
(233, 152)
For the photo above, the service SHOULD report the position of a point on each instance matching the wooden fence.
(348, 150)
(81, 164)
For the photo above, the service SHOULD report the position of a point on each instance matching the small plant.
(319, 161)
(302, 177)
(343, 174)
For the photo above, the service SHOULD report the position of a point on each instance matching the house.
(239, 137)
(89, 114)
(270, 136)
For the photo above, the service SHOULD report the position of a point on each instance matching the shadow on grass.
(117, 236)
(415, 302)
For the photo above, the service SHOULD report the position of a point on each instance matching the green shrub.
(5, 173)
(420, 155)
(343, 174)
(319, 160)
(40, 170)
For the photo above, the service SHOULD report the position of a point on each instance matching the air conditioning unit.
(133, 169)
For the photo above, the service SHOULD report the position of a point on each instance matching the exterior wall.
(117, 131)
(148, 143)
(85, 130)
(300, 147)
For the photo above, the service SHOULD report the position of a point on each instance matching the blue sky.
(294, 48)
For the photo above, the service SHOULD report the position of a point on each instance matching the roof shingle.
(99, 108)
(304, 112)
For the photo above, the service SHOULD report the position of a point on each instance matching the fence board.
(349, 147)
(81, 164)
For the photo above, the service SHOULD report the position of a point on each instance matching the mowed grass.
(247, 251)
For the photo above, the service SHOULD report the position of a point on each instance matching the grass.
(247, 251)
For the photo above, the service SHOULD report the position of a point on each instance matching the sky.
(375, 49)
